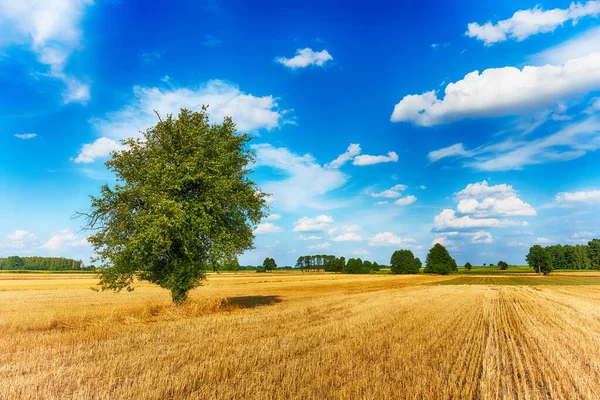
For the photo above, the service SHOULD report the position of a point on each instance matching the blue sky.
(376, 128)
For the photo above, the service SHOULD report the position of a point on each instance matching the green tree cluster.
(269, 264)
(503, 265)
(40, 263)
(439, 261)
(403, 262)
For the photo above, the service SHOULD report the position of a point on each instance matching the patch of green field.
(495, 270)
(523, 280)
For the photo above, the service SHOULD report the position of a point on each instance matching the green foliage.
(503, 265)
(261, 269)
(594, 253)
(539, 259)
(468, 266)
(183, 202)
(40, 264)
(418, 264)
(376, 267)
(269, 264)
(356, 266)
(439, 261)
(403, 262)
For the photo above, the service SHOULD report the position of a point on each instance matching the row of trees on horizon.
(40, 263)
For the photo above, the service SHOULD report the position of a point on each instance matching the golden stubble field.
(302, 336)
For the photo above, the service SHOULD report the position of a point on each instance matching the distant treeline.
(575, 257)
(40, 263)
(329, 263)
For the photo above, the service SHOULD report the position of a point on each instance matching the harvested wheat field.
(309, 336)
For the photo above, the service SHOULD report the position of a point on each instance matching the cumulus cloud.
(578, 198)
(306, 181)
(99, 148)
(389, 239)
(391, 193)
(319, 223)
(454, 239)
(352, 151)
(266, 228)
(543, 240)
(25, 136)
(348, 237)
(20, 239)
(404, 201)
(321, 246)
(249, 112)
(448, 221)
(525, 23)
(481, 200)
(502, 91)
(306, 57)
(371, 160)
(52, 30)
(62, 239)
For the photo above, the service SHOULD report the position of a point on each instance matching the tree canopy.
(439, 261)
(539, 259)
(183, 202)
(403, 262)
(269, 264)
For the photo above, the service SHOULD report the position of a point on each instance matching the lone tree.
(403, 262)
(539, 259)
(468, 266)
(439, 261)
(183, 202)
(503, 265)
(269, 264)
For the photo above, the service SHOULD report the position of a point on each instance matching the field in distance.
(310, 336)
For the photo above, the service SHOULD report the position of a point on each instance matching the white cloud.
(249, 112)
(391, 193)
(579, 46)
(266, 228)
(456, 150)
(389, 239)
(21, 239)
(292, 251)
(348, 237)
(350, 228)
(422, 187)
(404, 201)
(352, 151)
(594, 105)
(447, 220)
(52, 29)
(311, 237)
(381, 202)
(304, 58)
(272, 217)
(481, 200)
(100, 148)
(306, 183)
(583, 235)
(543, 240)
(454, 239)
(25, 136)
(64, 238)
(502, 91)
(578, 198)
(525, 23)
(317, 224)
(321, 246)
(571, 142)
(370, 160)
